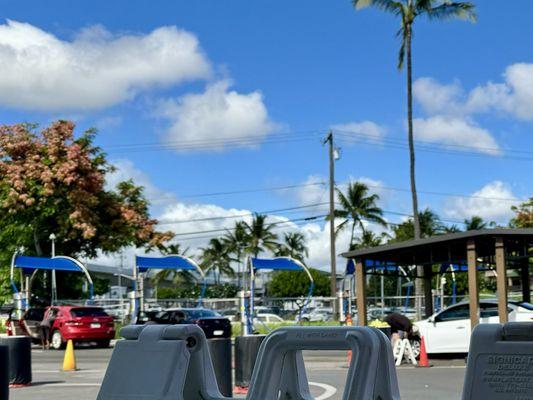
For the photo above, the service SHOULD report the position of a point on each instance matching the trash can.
(246, 350)
(19, 349)
(220, 350)
(4, 373)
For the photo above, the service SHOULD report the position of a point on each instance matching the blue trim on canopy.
(168, 262)
(172, 262)
(279, 263)
(29, 264)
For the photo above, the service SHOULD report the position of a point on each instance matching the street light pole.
(333, 255)
(52, 237)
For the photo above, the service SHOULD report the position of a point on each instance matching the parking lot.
(326, 370)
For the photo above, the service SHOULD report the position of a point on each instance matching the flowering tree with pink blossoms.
(53, 182)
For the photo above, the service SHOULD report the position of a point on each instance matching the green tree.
(369, 239)
(358, 206)
(296, 283)
(216, 257)
(236, 241)
(523, 215)
(54, 182)
(293, 246)
(260, 236)
(430, 225)
(177, 277)
(477, 223)
(408, 11)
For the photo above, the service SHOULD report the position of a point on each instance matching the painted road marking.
(328, 390)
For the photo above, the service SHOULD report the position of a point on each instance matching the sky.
(219, 108)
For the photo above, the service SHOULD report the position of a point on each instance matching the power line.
(312, 218)
(285, 210)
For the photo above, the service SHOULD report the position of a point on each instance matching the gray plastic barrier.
(163, 362)
(500, 362)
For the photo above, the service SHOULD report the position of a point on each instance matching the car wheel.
(57, 340)
(415, 346)
(103, 344)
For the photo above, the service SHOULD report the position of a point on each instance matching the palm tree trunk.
(419, 287)
(416, 220)
(353, 234)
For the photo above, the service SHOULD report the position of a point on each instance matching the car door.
(32, 322)
(450, 330)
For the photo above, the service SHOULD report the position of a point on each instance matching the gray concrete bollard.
(4, 373)
(220, 350)
(19, 348)
(246, 351)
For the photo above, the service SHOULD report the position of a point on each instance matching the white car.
(268, 318)
(448, 331)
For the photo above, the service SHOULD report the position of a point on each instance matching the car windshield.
(194, 314)
(527, 306)
(88, 312)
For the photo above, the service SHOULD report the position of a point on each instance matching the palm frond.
(451, 10)
(385, 5)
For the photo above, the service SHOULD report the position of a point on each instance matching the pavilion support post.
(360, 280)
(526, 281)
(473, 290)
(428, 295)
(501, 281)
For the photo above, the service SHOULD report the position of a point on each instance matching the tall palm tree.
(293, 246)
(216, 257)
(409, 10)
(236, 241)
(477, 223)
(357, 206)
(177, 277)
(260, 236)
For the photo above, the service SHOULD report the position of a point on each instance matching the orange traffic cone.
(69, 361)
(424, 361)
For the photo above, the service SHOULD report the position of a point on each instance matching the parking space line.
(328, 390)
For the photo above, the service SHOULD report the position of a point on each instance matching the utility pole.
(333, 253)
(52, 237)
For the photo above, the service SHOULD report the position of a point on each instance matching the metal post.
(52, 237)
(333, 255)
(360, 281)
(526, 285)
(382, 281)
(472, 283)
(501, 280)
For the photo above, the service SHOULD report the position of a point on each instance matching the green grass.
(267, 328)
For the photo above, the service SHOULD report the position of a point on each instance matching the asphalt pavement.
(326, 372)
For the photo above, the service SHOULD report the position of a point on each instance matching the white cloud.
(315, 191)
(491, 202)
(514, 96)
(365, 130)
(216, 115)
(95, 70)
(456, 132)
(436, 98)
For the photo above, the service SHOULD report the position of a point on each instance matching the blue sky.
(284, 72)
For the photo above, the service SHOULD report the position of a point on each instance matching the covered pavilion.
(498, 249)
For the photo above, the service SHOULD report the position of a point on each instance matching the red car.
(80, 324)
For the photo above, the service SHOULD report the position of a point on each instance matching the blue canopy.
(29, 264)
(279, 263)
(168, 262)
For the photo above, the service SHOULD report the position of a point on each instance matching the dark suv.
(212, 323)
